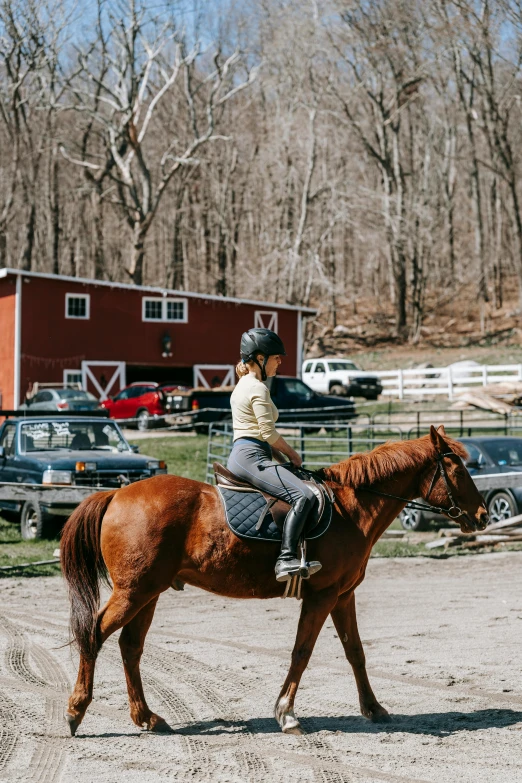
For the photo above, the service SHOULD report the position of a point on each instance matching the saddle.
(252, 513)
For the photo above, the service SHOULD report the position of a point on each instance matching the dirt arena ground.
(443, 643)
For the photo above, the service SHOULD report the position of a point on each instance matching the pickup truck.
(64, 459)
(340, 377)
(295, 401)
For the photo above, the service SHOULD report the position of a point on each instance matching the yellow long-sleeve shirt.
(253, 413)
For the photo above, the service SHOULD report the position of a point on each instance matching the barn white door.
(265, 319)
(110, 378)
(211, 375)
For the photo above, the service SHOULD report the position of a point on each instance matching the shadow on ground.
(435, 724)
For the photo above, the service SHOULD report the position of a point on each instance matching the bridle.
(453, 512)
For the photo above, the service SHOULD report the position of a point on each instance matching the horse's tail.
(83, 567)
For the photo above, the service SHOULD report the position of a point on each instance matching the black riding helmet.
(263, 341)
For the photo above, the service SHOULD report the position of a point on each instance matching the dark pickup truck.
(49, 464)
(295, 401)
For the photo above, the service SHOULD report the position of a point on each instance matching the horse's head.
(449, 486)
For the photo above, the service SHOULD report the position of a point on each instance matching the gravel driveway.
(443, 644)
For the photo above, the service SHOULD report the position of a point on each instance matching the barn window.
(163, 309)
(77, 306)
(153, 310)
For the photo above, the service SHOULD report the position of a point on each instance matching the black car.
(69, 452)
(487, 455)
(295, 401)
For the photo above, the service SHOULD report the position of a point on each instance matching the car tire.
(143, 420)
(501, 506)
(372, 397)
(413, 519)
(338, 390)
(33, 521)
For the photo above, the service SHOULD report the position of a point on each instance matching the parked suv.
(341, 377)
(142, 402)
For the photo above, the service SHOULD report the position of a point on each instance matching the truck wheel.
(33, 521)
(143, 420)
(338, 390)
(501, 506)
(413, 519)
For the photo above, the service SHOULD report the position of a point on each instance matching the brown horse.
(167, 530)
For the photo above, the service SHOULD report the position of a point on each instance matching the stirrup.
(307, 568)
(311, 568)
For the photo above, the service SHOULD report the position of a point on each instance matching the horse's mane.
(385, 461)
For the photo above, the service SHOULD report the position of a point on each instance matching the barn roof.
(156, 289)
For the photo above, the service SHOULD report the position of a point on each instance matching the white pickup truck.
(340, 377)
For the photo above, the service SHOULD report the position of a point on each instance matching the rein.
(453, 512)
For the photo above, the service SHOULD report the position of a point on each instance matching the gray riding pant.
(251, 460)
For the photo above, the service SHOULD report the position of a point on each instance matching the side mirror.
(29, 401)
(135, 449)
(473, 463)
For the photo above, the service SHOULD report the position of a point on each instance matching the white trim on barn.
(200, 380)
(164, 291)
(17, 342)
(266, 319)
(164, 309)
(119, 372)
(77, 377)
(86, 298)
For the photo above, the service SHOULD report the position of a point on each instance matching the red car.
(144, 402)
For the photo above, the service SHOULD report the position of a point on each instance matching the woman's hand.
(284, 448)
(295, 459)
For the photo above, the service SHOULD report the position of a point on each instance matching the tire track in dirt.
(48, 758)
(320, 758)
(185, 665)
(180, 664)
(492, 697)
(196, 748)
(9, 729)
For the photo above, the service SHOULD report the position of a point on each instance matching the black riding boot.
(288, 564)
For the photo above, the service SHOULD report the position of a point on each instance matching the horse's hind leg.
(314, 611)
(118, 611)
(132, 639)
(345, 621)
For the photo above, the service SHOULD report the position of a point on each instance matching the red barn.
(57, 329)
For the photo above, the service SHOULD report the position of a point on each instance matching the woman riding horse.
(255, 437)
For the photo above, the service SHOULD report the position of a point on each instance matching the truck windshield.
(340, 366)
(506, 453)
(71, 436)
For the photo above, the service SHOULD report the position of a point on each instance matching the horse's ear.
(437, 436)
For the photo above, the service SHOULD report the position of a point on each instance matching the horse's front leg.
(345, 621)
(314, 611)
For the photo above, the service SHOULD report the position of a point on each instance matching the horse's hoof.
(72, 722)
(286, 718)
(158, 724)
(377, 715)
(291, 726)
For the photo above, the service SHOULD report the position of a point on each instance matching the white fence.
(446, 381)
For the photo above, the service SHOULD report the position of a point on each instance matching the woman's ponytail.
(242, 369)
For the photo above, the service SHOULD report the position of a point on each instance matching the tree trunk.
(98, 239)
(27, 254)
(135, 269)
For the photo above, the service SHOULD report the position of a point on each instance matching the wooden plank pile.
(507, 531)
